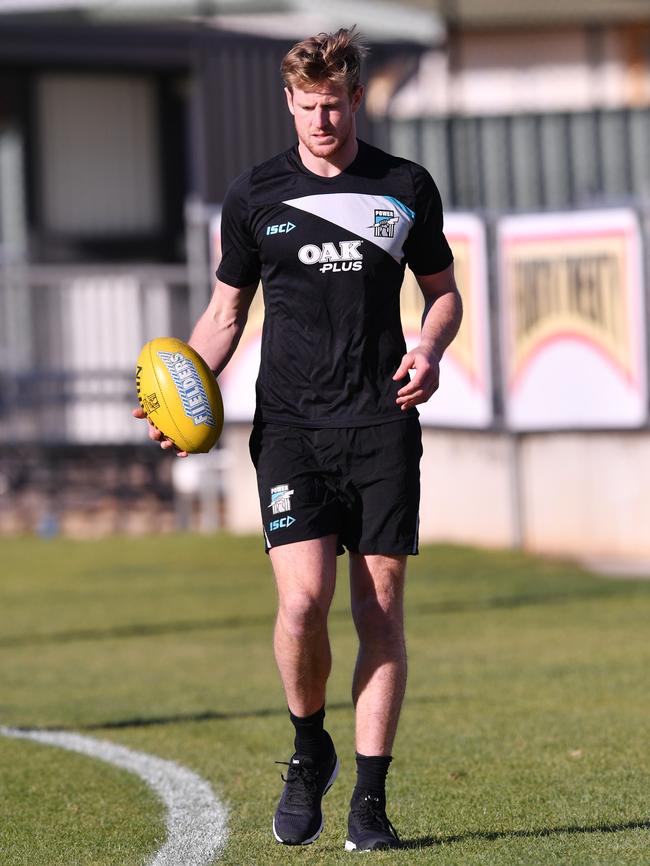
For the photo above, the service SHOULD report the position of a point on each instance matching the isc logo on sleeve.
(280, 228)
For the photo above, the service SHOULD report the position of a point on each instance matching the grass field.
(524, 737)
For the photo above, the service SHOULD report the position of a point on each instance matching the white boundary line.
(196, 819)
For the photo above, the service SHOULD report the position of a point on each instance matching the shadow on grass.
(207, 716)
(144, 630)
(176, 719)
(433, 841)
(135, 630)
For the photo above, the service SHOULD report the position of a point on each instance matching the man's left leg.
(379, 683)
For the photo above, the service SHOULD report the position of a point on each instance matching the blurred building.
(121, 125)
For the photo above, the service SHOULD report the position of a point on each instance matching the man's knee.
(301, 614)
(377, 593)
(379, 618)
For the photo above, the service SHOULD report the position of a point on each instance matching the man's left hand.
(425, 381)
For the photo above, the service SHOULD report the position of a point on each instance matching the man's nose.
(320, 118)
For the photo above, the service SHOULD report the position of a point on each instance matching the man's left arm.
(443, 311)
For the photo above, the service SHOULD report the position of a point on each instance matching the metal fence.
(69, 337)
(529, 161)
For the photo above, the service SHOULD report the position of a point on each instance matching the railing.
(69, 339)
(532, 161)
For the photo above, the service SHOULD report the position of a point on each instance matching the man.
(328, 226)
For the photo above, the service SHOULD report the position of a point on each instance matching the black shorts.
(359, 483)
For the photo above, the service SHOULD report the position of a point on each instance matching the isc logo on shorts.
(282, 523)
(346, 258)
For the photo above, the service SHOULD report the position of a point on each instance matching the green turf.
(63, 809)
(523, 738)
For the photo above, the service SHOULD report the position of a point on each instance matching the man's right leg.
(305, 574)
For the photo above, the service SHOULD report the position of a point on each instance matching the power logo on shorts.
(280, 498)
(281, 502)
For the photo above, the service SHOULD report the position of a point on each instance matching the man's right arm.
(215, 337)
(218, 331)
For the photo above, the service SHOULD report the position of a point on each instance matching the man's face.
(324, 116)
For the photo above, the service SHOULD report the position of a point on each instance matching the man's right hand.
(157, 436)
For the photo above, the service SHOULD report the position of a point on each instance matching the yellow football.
(179, 394)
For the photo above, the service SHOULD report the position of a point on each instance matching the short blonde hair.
(332, 57)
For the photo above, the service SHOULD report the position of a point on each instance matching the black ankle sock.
(311, 739)
(371, 773)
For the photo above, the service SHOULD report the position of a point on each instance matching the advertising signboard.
(573, 325)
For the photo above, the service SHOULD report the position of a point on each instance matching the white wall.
(467, 491)
(587, 494)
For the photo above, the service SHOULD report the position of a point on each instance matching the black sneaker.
(368, 827)
(298, 819)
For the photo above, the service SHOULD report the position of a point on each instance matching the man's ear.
(289, 96)
(357, 96)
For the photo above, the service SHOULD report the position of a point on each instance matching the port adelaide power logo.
(281, 503)
(280, 498)
(384, 224)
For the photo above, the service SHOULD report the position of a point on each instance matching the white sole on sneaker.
(350, 846)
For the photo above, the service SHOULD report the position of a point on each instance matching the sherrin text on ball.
(179, 394)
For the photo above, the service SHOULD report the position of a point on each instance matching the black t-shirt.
(331, 254)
